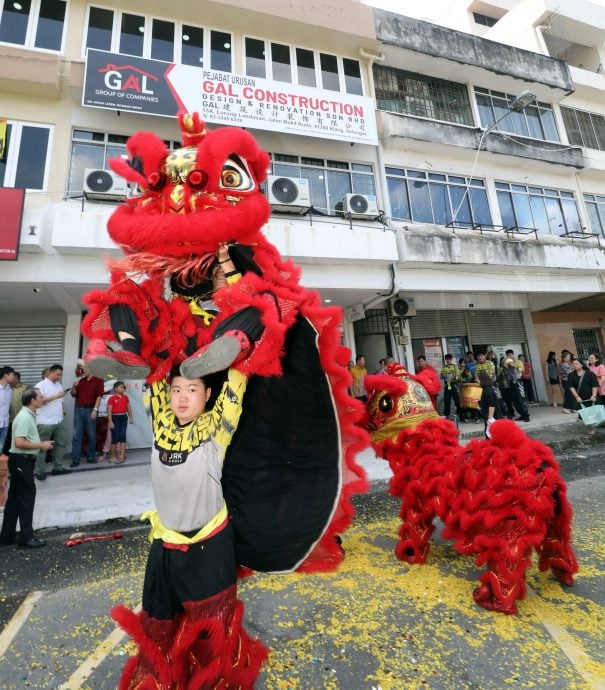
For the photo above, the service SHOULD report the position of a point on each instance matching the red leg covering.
(502, 585)
(414, 534)
(204, 648)
(555, 551)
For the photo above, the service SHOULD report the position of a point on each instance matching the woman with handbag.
(584, 386)
(565, 369)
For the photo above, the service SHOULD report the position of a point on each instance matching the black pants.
(21, 498)
(450, 394)
(515, 402)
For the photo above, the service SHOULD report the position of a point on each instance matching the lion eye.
(385, 404)
(236, 176)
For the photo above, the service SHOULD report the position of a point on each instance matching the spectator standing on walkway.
(526, 377)
(25, 446)
(511, 388)
(552, 376)
(7, 376)
(359, 372)
(17, 396)
(51, 421)
(583, 386)
(565, 369)
(471, 362)
(119, 414)
(87, 392)
(598, 369)
(450, 375)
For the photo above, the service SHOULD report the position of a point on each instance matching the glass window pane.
(598, 122)
(280, 62)
(339, 184)
(352, 74)
(13, 25)
(363, 184)
(113, 151)
(480, 206)
(100, 25)
(441, 204)
(555, 216)
(549, 126)
(588, 133)
(539, 213)
(3, 160)
(594, 222)
(255, 58)
(84, 156)
(192, 46)
(420, 202)
(32, 157)
(220, 51)
(363, 167)
(507, 212)
(571, 126)
(317, 187)
(162, 40)
(461, 206)
(398, 196)
(519, 124)
(570, 214)
(501, 111)
(49, 32)
(523, 211)
(329, 72)
(533, 122)
(132, 34)
(286, 170)
(305, 67)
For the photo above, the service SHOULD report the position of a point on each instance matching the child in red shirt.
(118, 416)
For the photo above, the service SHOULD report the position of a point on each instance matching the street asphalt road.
(377, 623)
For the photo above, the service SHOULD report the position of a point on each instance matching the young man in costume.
(189, 632)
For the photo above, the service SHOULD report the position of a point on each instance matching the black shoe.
(92, 462)
(33, 543)
(41, 476)
(75, 464)
(525, 419)
(60, 470)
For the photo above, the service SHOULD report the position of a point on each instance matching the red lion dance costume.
(499, 499)
(289, 470)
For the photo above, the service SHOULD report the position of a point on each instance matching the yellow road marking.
(573, 651)
(16, 622)
(82, 673)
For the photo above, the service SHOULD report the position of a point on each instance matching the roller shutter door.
(438, 322)
(496, 327)
(29, 349)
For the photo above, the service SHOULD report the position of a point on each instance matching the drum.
(470, 395)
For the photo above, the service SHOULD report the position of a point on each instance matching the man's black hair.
(55, 367)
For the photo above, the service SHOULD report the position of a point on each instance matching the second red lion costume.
(289, 471)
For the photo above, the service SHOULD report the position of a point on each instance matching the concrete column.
(534, 355)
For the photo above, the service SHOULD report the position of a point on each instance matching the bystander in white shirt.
(51, 412)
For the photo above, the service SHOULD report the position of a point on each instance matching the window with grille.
(157, 38)
(414, 94)
(584, 129)
(427, 197)
(329, 180)
(536, 121)
(38, 24)
(549, 211)
(595, 210)
(483, 19)
(376, 322)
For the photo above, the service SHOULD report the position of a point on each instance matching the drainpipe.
(371, 59)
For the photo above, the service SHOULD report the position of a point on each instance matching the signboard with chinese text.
(11, 212)
(355, 312)
(132, 84)
(433, 352)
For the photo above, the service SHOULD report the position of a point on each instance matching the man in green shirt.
(22, 455)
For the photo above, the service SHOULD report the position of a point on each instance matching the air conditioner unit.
(104, 185)
(360, 206)
(402, 307)
(288, 194)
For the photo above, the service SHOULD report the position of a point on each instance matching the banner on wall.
(433, 352)
(150, 87)
(11, 212)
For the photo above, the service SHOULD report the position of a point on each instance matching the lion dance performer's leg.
(133, 331)
(506, 550)
(555, 551)
(414, 533)
(190, 633)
